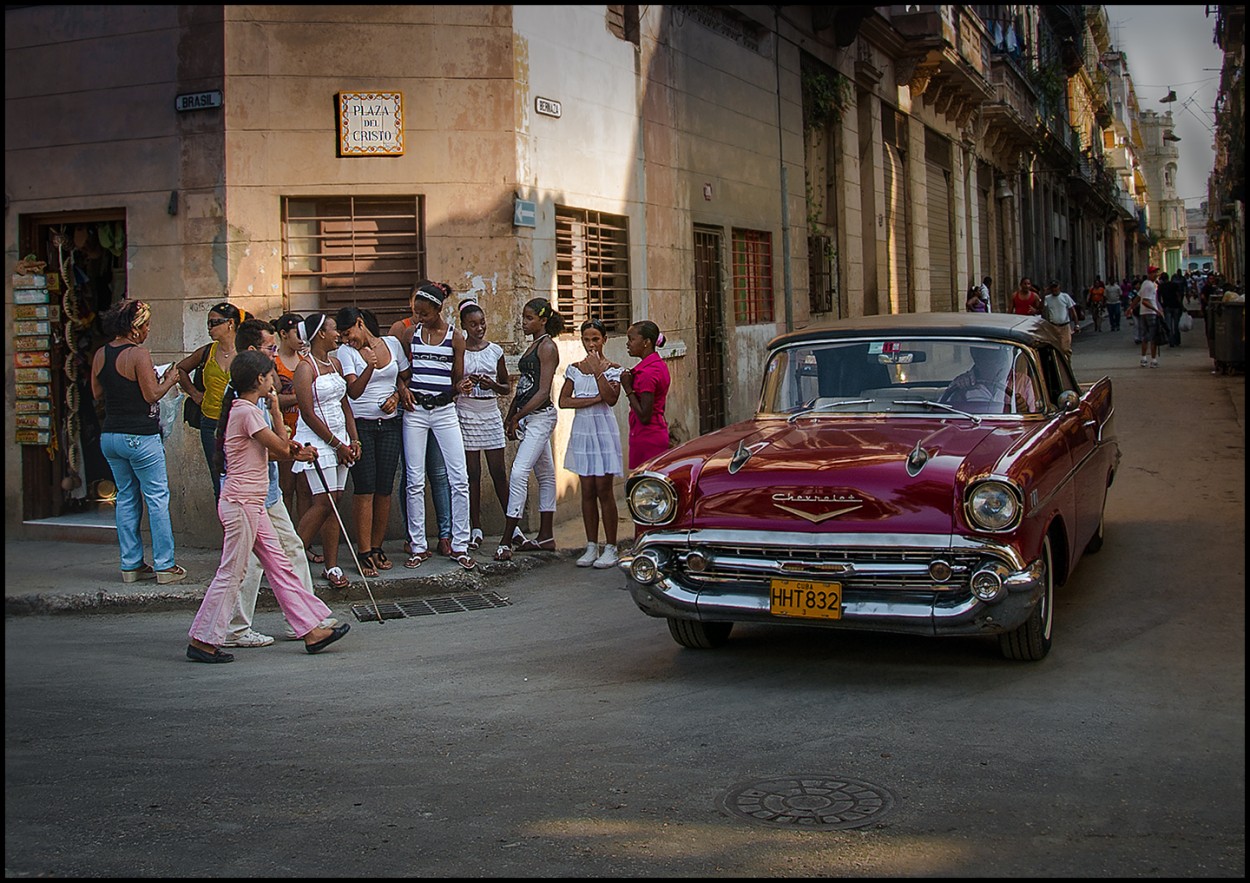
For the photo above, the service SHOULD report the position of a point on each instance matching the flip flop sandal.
(313, 557)
(475, 539)
(503, 553)
(367, 565)
(380, 560)
(518, 539)
(464, 560)
(336, 577)
(547, 545)
(416, 559)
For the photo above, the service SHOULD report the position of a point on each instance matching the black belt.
(376, 422)
(430, 402)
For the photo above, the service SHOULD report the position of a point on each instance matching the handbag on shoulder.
(191, 412)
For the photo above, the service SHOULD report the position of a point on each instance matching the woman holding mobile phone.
(481, 423)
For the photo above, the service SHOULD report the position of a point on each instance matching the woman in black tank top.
(122, 374)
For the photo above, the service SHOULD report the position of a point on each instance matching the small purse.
(192, 415)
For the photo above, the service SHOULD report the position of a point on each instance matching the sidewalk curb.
(484, 577)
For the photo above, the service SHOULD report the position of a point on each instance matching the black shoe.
(335, 633)
(195, 654)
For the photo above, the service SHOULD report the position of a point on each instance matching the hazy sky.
(1174, 46)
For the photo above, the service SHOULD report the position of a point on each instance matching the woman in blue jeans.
(123, 376)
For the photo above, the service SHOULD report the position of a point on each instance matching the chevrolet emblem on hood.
(824, 501)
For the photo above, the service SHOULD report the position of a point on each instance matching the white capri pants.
(534, 453)
(445, 424)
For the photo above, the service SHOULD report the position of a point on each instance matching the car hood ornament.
(744, 452)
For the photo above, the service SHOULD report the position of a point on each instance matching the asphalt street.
(566, 734)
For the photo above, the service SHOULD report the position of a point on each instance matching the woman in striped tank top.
(430, 383)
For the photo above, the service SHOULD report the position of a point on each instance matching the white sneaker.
(1154, 363)
(1144, 361)
(589, 556)
(607, 559)
(249, 638)
(288, 633)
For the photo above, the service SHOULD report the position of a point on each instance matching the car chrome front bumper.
(880, 595)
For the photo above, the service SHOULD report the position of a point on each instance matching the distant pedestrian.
(1112, 295)
(1024, 300)
(1060, 310)
(1171, 299)
(646, 389)
(1149, 318)
(247, 444)
(975, 302)
(124, 378)
(591, 387)
(1097, 302)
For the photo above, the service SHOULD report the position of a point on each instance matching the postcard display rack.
(34, 316)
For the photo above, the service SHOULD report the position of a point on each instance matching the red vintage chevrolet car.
(925, 473)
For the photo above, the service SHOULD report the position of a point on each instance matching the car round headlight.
(993, 505)
(652, 500)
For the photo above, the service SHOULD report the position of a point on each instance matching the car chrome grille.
(862, 568)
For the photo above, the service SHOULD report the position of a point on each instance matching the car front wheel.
(1031, 641)
(699, 635)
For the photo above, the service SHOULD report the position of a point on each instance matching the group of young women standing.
(331, 394)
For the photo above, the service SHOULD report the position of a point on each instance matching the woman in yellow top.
(215, 356)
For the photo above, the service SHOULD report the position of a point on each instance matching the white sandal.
(475, 538)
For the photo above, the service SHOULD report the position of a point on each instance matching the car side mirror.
(1069, 400)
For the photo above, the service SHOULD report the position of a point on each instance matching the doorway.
(85, 258)
(709, 328)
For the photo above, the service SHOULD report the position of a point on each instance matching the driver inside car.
(993, 384)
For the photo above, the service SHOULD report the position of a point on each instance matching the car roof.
(1029, 330)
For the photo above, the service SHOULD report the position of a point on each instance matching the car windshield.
(940, 376)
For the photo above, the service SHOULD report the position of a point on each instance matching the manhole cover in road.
(813, 802)
(428, 606)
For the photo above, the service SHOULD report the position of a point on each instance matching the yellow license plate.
(801, 597)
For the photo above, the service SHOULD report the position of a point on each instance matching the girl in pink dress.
(646, 388)
(245, 443)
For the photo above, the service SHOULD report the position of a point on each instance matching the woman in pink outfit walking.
(244, 443)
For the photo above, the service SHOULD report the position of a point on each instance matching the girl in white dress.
(591, 387)
(481, 422)
(325, 422)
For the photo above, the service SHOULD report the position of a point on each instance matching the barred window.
(820, 273)
(592, 267)
(753, 276)
(364, 251)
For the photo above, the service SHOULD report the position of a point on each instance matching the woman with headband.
(122, 374)
(432, 380)
(481, 424)
(213, 359)
(326, 423)
(532, 417)
(591, 387)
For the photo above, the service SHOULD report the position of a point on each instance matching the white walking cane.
(350, 545)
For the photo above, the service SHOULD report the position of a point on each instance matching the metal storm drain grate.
(813, 802)
(429, 606)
